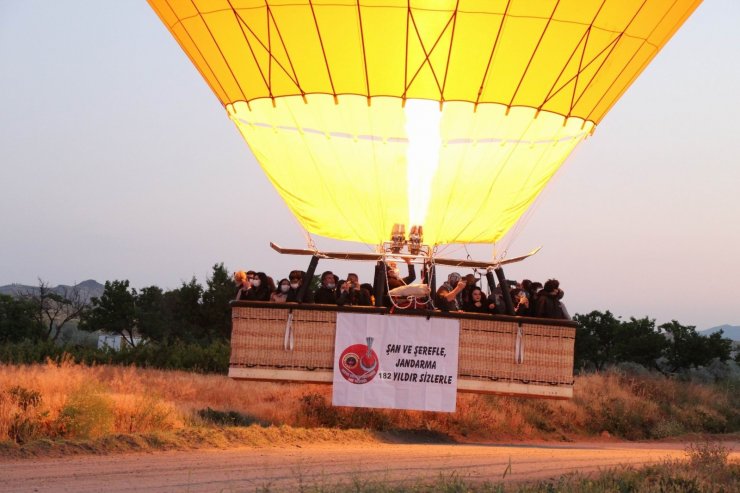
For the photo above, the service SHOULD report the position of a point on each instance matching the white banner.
(398, 362)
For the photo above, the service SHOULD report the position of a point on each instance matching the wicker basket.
(503, 355)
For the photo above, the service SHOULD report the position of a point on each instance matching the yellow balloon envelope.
(451, 114)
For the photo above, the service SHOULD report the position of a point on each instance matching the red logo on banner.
(359, 363)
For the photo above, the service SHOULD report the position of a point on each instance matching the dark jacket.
(467, 293)
(548, 305)
(293, 296)
(394, 282)
(261, 293)
(483, 308)
(325, 296)
(355, 297)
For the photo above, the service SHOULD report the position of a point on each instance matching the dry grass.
(179, 409)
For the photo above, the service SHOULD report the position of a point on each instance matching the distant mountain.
(88, 289)
(730, 331)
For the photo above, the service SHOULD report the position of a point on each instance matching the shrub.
(229, 418)
(315, 410)
(23, 419)
(707, 455)
(87, 414)
(212, 358)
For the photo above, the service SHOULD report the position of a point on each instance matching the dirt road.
(285, 469)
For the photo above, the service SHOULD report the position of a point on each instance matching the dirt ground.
(286, 469)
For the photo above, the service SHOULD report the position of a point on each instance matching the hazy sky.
(117, 162)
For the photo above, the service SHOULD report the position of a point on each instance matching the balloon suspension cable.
(469, 257)
(310, 243)
(412, 300)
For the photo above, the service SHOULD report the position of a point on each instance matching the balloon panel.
(343, 169)
(449, 114)
(570, 57)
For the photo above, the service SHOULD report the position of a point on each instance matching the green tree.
(688, 348)
(596, 339)
(18, 321)
(216, 310)
(114, 311)
(639, 341)
(153, 319)
(184, 305)
(719, 346)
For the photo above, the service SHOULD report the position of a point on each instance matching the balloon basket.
(518, 356)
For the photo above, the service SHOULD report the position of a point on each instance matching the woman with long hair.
(280, 295)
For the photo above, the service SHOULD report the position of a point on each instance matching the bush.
(317, 411)
(23, 419)
(87, 414)
(229, 418)
(212, 358)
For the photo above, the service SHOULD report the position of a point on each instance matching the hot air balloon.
(441, 118)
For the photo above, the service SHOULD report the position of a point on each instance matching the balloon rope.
(310, 244)
(411, 299)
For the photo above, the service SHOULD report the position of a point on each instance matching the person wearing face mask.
(296, 281)
(393, 274)
(259, 290)
(448, 295)
(326, 293)
(280, 295)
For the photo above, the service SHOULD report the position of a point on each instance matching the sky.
(117, 162)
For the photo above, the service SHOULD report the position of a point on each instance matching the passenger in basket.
(280, 295)
(296, 281)
(352, 293)
(521, 302)
(470, 285)
(449, 293)
(477, 303)
(534, 289)
(394, 279)
(369, 288)
(242, 284)
(548, 301)
(326, 293)
(394, 275)
(259, 290)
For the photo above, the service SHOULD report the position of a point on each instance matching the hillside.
(88, 289)
(730, 331)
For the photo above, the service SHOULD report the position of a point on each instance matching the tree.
(639, 341)
(114, 311)
(54, 308)
(18, 320)
(216, 309)
(596, 336)
(184, 305)
(719, 346)
(153, 319)
(690, 349)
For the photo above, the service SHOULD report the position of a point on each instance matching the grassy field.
(62, 406)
